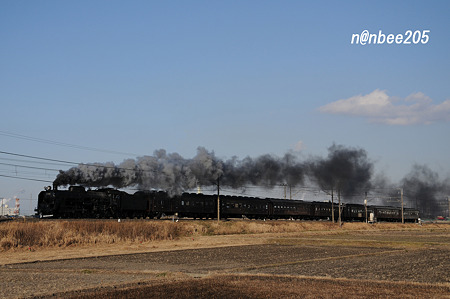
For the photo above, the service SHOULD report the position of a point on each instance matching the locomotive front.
(46, 203)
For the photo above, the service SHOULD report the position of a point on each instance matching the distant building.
(9, 210)
(5, 210)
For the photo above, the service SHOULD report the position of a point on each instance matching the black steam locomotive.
(77, 202)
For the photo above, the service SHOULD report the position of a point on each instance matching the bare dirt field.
(391, 261)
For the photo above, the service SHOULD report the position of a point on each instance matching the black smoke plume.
(266, 170)
(165, 171)
(345, 170)
(175, 174)
(423, 189)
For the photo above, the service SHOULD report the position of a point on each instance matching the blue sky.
(237, 77)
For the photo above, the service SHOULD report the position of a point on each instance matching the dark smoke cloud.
(266, 170)
(170, 172)
(345, 170)
(173, 173)
(423, 189)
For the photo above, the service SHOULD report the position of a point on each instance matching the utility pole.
(218, 200)
(401, 198)
(365, 205)
(332, 205)
(339, 198)
(448, 198)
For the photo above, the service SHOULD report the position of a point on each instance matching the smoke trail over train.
(170, 172)
(424, 189)
(175, 174)
(347, 169)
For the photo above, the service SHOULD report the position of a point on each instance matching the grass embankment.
(61, 233)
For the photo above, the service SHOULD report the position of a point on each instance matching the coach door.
(270, 206)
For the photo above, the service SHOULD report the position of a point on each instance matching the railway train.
(77, 202)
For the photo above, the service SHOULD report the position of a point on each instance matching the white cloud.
(299, 146)
(378, 107)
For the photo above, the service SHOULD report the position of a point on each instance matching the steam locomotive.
(77, 202)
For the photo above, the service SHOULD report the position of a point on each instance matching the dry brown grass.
(62, 233)
(278, 226)
(15, 235)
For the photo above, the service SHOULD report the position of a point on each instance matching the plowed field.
(348, 264)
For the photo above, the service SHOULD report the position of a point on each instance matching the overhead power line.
(38, 158)
(52, 142)
(65, 162)
(29, 167)
(22, 178)
(32, 161)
